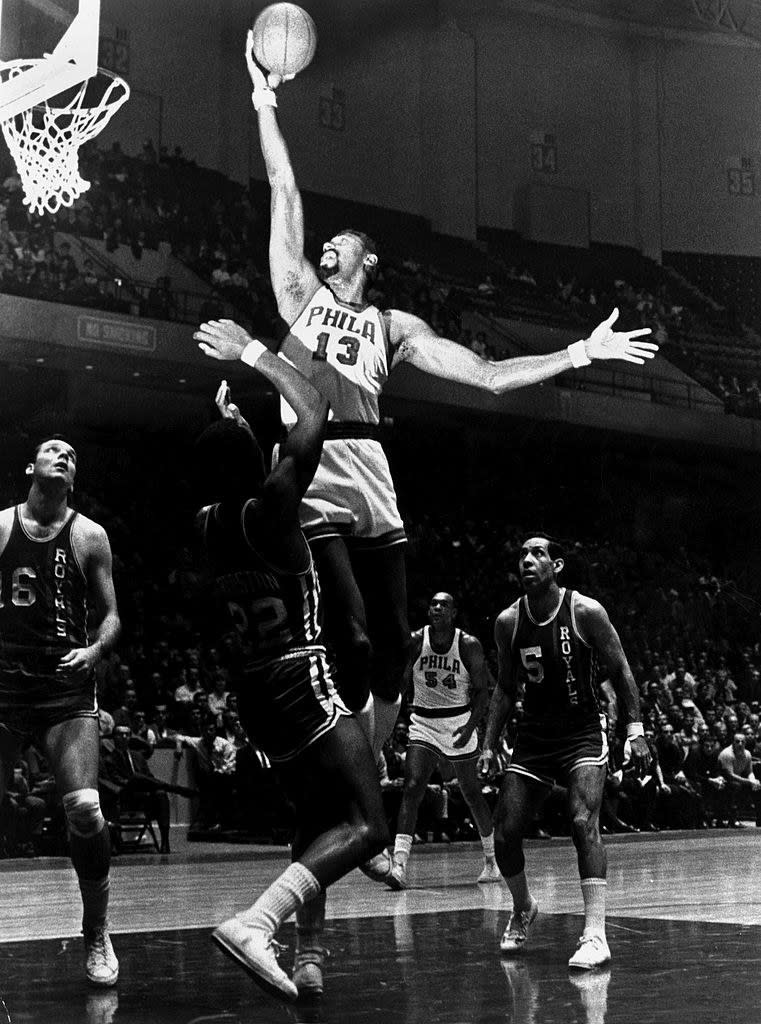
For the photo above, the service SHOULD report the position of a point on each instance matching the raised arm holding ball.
(347, 348)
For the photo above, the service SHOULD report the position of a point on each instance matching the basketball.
(285, 38)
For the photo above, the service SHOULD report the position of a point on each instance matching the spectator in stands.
(228, 729)
(21, 814)
(142, 732)
(127, 783)
(105, 722)
(682, 806)
(737, 767)
(159, 732)
(215, 775)
(123, 715)
(218, 697)
(190, 685)
(704, 771)
(486, 288)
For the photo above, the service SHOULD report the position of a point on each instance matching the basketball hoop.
(44, 140)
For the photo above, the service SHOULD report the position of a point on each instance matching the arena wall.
(639, 130)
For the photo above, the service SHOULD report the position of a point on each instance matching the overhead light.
(88, 366)
(136, 373)
(39, 359)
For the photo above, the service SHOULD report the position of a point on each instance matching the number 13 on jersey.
(348, 357)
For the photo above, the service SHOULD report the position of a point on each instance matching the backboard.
(62, 34)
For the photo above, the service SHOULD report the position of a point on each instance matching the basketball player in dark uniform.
(347, 347)
(52, 559)
(448, 700)
(263, 573)
(557, 645)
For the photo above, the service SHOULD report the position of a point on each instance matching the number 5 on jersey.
(532, 662)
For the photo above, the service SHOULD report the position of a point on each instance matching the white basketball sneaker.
(592, 951)
(516, 933)
(255, 950)
(490, 872)
(101, 965)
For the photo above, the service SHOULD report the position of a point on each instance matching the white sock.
(488, 844)
(386, 714)
(402, 849)
(594, 890)
(94, 902)
(518, 887)
(287, 893)
(366, 718)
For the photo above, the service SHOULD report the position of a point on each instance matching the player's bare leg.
(419, 765)
(585, 792)
(334, 786)
(73, 747)
(518, 801)
(470, 787)
(310, 953)
(382, 576)
(346, 628)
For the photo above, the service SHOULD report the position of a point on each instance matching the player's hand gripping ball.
(284, 39)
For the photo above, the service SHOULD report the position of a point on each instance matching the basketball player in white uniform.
(347, 347)
(449, 698)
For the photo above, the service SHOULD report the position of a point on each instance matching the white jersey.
(440, 681)
(344, 352)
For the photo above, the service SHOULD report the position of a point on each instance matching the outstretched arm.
(598, 630)
(300, 453)
(418, 344)
(294, 280)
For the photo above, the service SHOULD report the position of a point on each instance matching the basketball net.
(44, 141)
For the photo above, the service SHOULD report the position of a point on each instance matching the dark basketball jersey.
(273, 612)
(43, 597)
(558, 669)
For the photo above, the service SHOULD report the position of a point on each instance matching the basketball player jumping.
(552, 642)
(347, 347)
(263, 571)
(51, 560)
(448, 700)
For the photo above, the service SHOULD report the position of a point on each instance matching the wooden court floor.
(684, 929)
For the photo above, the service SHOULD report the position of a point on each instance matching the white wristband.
(578, 354)
(634, 729)
(253, 352)
(263, 97)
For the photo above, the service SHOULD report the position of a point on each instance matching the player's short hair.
(371, 249)
(555, 547)
(227, 463)
(51, 437)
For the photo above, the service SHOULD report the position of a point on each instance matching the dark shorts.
(288, 704)
(548, 754)
(32, 700)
